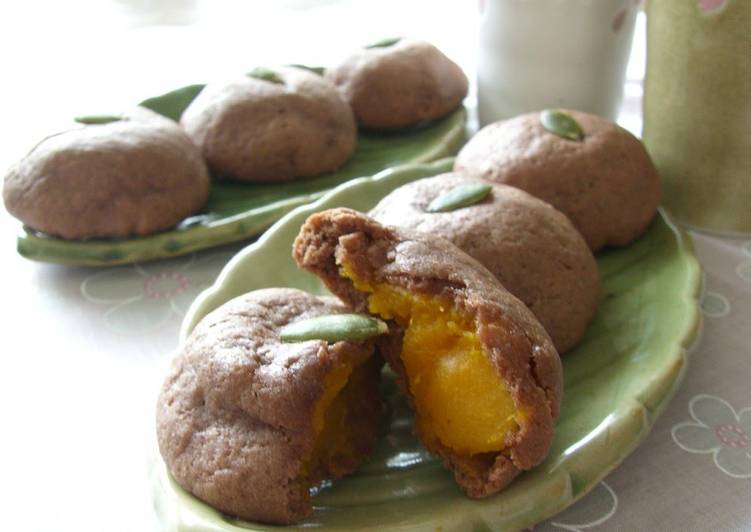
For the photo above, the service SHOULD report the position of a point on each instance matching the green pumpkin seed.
(98, 119)
(459, 196)
(334, 328)
(266, 74)
(314, 69)
(561, 124)
(384, 43)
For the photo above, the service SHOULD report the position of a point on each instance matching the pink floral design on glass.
(719, 430)
(618, 20)
(711, 5)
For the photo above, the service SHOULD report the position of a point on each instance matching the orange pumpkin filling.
(460, 398)
(333, 434)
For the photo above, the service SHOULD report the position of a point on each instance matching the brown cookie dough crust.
(256, 130)
(530, 247)
(606, 184)
(132, 177)
(518, 346)
(234, 418)
(401, 85)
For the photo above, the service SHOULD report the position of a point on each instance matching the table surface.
(86, 348)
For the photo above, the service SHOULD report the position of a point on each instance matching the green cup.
(697, 109)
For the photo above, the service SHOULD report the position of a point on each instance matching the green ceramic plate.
(616, 383)
(237, 211)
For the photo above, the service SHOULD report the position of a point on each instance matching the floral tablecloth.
(85, 349)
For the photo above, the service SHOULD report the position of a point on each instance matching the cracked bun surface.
(455, 333)
(131, 177)
(401, 85)
(531, 248)
(259, 130)
(605, 183)
(249, 423)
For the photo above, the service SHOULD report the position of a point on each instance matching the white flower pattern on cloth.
(744, 268)
(593, 510)
(714, 305)
(144, 297)
(718, 430)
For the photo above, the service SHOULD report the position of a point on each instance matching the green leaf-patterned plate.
(617, 382)
(237, 211)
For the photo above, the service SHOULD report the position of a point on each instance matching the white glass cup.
(537, 54)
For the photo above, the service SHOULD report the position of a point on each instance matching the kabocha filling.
(334, 382)
(333, 443)
(460, 398)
